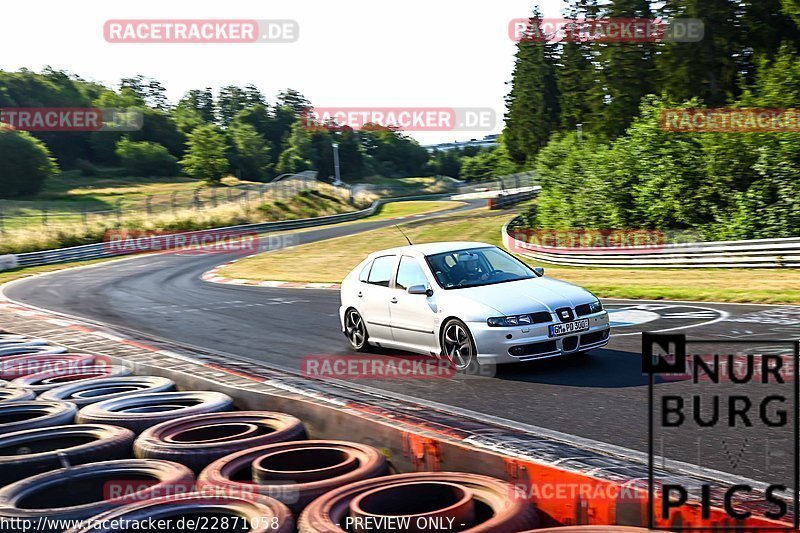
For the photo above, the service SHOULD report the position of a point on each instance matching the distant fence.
(758, 253)
(502, 183)
(48, 214)
(102, 250)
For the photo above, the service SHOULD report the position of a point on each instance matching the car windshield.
(474, 267)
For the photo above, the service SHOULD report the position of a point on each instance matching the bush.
(144, 158)
(26, 163)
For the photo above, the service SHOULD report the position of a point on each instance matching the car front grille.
(525, 351)
(542, 317)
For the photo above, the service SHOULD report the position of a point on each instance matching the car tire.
(35, 414)
(197, 441)
(355, 329)
(44, 449)
(141, 411)
(298, 488)
(85, 393)
(25, 365)
(456, 339)
(38, 349)
(96, 494)
(504, 511)
(261, 514)
(44, 381)
(14, 394)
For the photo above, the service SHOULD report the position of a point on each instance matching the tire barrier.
(294, 472)
(9, 338)
(21, 415)
(16, 394)
(482, 503)
(81, 492)
(197, 441)
(259, 513)
(141, 411)
(43, 349)
(25, 365)
(35, 451)
(84, 393)
(13, 341)
(43, 381)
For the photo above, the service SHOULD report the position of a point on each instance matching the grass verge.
(387, 211)
(306, 204)
(329, 261)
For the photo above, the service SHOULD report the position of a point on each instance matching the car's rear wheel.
(356, 330)
(458, 346)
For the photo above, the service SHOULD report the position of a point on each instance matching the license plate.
(557, 330)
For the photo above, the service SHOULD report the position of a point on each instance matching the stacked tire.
(96, 443)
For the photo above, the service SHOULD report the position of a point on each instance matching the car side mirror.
(420, 289)
(539, 271)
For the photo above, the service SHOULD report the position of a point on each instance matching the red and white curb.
(212, 276)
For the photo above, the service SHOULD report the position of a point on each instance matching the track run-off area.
(600, 396)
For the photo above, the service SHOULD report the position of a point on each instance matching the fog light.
(517, 350)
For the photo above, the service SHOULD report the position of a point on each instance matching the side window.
(409, 273)
(381, 271)
(364, 275)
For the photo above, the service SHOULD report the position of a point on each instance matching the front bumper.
(533, 342)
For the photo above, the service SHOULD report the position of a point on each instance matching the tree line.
(622, 170)
(206, 135)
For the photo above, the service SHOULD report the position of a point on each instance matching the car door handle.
(394, 300)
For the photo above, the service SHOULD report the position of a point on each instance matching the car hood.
(529, 295)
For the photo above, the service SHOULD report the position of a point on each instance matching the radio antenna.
(404, 235)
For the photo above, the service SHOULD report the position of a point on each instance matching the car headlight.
(510, 321)
(595, 307)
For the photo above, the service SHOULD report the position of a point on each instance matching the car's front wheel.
(356, 330)
(458, 346)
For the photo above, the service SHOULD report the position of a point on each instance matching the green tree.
(626, 72)
(532, 104)
(293, 100)
(205, 154)
(149, 90)
(202, 102)
(26, 163)
(297, 155)
(250, 153)
(144, 158)
(231, 100)
(708, 69)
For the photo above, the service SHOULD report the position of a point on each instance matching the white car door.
(412, 315)
(374, 297)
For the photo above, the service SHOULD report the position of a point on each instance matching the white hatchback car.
(469, 302)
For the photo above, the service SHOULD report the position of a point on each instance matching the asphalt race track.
(600, 396)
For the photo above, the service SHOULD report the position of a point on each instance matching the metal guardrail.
(757, 253)
(507, 200)
(102, 250)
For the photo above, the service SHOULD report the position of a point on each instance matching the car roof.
(432, 248)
